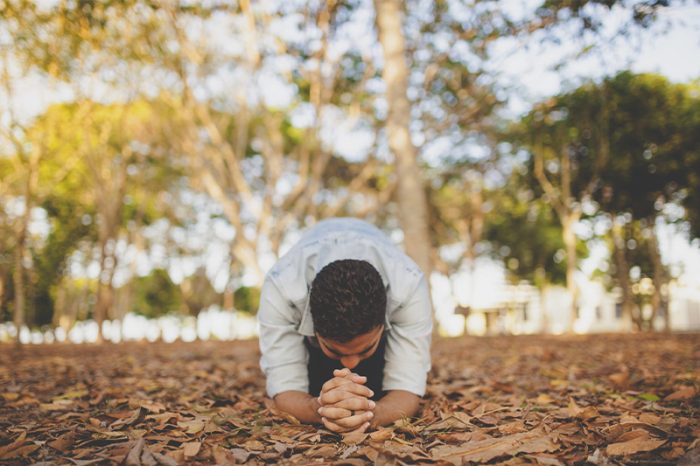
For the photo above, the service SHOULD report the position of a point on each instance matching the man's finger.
(346, 373)
(344, 392)
(355, 421)
(356, 403)
(341, 372)
(359, 430)
(333, 413)
(336, 382)
(332, 426)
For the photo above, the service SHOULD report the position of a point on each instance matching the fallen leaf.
(192, 427)
(635, 445)
(545, 460)
(240, 455)
(685, 393)
(534, 441)
(381, 435)
(255, 445)
(353, 438)
(512, 428)
(451, 423)
(133, 458)
(191, 449)
(322, 451)
(6, 450)
(649, 418)
(620, 379)
(153, 407)
(63, 442)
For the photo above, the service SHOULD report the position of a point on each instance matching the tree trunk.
(105, 284)
(622, 272)
(544, 316)
(18, 281)
(413, 210)
(570, 244)
(101, 301)
(20, 304)
(659, 300)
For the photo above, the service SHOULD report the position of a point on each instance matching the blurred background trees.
(157, 157)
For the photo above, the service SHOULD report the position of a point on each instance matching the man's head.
(348, 307)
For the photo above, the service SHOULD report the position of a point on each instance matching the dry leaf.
(353, 438)
(685, 393)
(322, 451)
(134, 456)
(534, 441)
(64, 442)
(191, 449)
(192, 427)
(7, 450)
(381, 435)
(512, 428)
(635, 445)
(620, 379)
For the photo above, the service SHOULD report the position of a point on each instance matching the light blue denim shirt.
(285, 318)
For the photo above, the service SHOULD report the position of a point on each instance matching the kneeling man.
(345, 326)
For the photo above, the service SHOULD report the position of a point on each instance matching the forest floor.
(606, 399)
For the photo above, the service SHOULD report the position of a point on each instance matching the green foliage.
(67, 229)
(654, 127)
(247, 299)
(525, 233)
(156, 295)
(198, 292)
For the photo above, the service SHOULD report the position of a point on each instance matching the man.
(345, 326)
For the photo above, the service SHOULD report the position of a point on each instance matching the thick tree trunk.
(659, 300)
(413, 210)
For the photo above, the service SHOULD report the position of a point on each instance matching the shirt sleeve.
(407, 359)
(284, 356)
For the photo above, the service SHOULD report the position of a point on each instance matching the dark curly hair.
(347, 299)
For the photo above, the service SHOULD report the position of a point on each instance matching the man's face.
(352, 352)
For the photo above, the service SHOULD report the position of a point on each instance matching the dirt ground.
(608, 399)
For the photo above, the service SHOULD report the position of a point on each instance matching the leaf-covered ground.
(614, 399)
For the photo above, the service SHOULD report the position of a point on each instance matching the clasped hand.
(345, 404)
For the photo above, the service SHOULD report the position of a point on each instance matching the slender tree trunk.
(622, 271)
(20, 302)
(659, 300)
(542, 288)
(18, 316)
(570, 244)
(101, 300)
(413, 210)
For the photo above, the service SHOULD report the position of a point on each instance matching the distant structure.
(524, 310)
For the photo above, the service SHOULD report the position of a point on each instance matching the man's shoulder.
(344, 238)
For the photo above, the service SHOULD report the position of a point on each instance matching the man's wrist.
(315, 406)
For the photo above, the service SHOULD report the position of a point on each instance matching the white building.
(523, 310)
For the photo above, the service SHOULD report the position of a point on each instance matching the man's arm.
(301, 405)
(283, 354)
(395, 405)
(407, 356)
